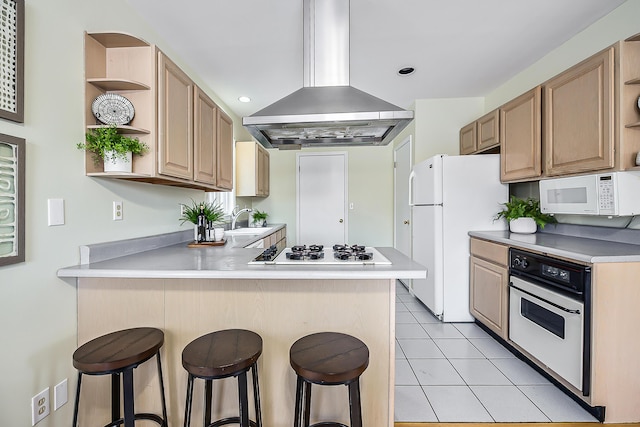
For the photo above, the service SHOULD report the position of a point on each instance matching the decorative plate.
(112, 109)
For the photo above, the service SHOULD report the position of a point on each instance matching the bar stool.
(118, 354)
(224, 354)
(328, 358)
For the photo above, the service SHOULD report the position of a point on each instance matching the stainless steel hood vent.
(327, 111)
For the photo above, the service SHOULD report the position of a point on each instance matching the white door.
(321, 198)
(402, 226)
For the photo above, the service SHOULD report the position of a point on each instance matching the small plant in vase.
(259, 218)
(213, 214)
(106, 144)
(523, 215)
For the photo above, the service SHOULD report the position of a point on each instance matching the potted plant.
(113, 148)
(523, 215)
(213, 212)
(259, 218)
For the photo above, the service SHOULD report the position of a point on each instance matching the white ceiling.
(460, 48)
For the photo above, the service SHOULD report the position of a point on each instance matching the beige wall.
(38, 310)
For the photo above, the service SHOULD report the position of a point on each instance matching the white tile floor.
(456, 372)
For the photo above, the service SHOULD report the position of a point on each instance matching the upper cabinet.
(252, 169)
(520, 133)
(481, 135)
(190, 139)
(579, 117)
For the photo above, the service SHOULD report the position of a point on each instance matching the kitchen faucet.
(235, 215)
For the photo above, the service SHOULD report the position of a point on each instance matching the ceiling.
(459, 48)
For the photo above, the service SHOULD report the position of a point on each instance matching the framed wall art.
(12, 187)
(12, 60)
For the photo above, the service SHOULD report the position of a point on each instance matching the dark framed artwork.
(12, 187)
(12, 60)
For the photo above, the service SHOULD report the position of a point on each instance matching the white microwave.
(611, 194)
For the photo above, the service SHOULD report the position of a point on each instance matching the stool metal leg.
(188, 403)
(75, 409)
(307, 403)
(354, 403)
(256, 394)
(129, 412)
(208, 394)
(115, 397)
(164, 402)
(243, 399)
(298, 410)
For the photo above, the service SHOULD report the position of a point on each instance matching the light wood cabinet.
(520, 136)
(468, 139)
(488, 131)
(489, 283)
(591, 118)
(481, 135)
(579, 116)
(175, 120)
(252, 169)
(190, 139)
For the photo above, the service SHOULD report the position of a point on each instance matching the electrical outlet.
(182, 209)
(60, 394)
(40, 406)
(117, 211)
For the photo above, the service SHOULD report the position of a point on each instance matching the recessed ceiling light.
(244, 99)
(406, 71)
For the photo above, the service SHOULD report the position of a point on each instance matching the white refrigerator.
(450, 196)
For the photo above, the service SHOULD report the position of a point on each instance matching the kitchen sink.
(247, 231)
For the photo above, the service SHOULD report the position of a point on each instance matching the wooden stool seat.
(224, 354)
(118, 350)
(118, 354)
(328, 358)
(221, 354)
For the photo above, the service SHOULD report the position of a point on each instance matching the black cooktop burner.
(352, 255)
(268, 254)
(302, 252)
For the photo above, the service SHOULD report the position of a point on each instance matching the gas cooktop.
(340, 254)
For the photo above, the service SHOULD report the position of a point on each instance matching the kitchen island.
(188, 292)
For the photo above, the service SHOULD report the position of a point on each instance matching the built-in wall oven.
(549, 314)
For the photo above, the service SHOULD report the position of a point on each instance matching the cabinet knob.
(341, 220)
(406, 222)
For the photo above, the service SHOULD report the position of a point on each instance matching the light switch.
(56, 211)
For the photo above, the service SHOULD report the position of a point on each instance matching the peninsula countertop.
(577, 248)
(231, 262)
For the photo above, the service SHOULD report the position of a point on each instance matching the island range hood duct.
(327, 111)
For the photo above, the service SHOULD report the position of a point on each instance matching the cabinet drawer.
(490, 251)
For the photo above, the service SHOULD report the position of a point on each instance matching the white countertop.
(231, 262)
(576, 248)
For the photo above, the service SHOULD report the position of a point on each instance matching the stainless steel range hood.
(327, 111)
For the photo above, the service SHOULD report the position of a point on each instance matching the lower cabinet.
(489, 282)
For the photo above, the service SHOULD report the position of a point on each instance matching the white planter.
(523, 225)
(117, 164)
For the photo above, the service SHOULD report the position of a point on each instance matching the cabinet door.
(468, 139)
(263, 172)
(579, 117)
(488, 295)
(224, 170)
(520, 136)
(204, 138)
(488, 131)
(175, 120)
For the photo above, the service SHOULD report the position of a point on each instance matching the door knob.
(341, 220)
(406, 222)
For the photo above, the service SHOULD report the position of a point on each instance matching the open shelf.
(633, 125)
(118, 175)
(124, 129)
(117, 84)
(109, 40)
(633, 38)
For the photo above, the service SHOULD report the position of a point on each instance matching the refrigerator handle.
(412, 175)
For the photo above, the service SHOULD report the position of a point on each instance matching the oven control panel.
(559, 274)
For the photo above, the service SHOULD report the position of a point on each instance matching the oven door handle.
(566, 310)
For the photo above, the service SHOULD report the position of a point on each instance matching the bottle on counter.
(202, 225)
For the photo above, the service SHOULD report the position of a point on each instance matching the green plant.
(259, 216)
(107, 139)
(519, 208)
(212, 211)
